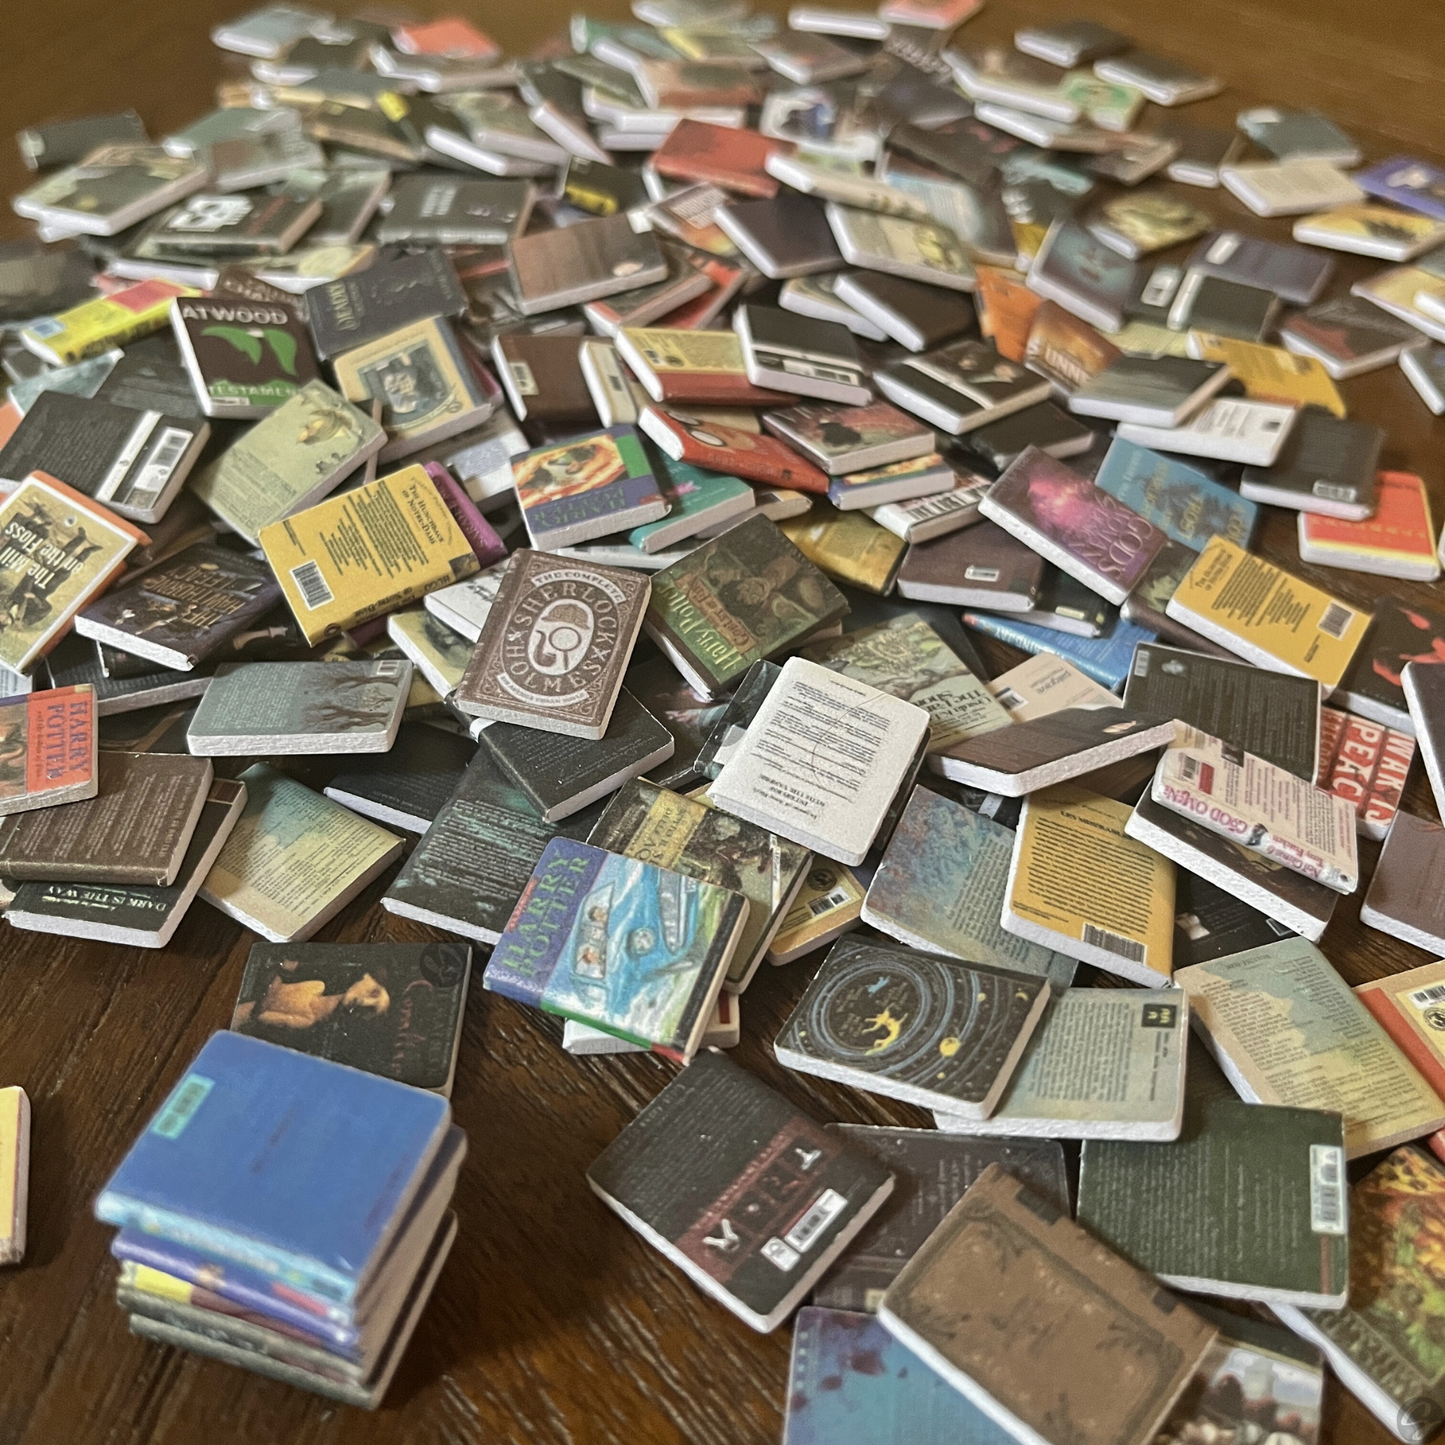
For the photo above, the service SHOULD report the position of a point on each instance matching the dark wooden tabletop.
(552, 1323)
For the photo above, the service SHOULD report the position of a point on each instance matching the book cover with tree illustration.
(245, 358)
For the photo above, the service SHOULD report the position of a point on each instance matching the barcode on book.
(1189, 769)
(824, 1210)
(1009, 698)
(311, 585)
(1327, 1189)
(153, 476)
(1336, 620)
(829, 901)
(1427, 997)
(1115, 943)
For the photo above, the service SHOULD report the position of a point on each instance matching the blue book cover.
(1106, 658)
(619, 944)
(1179, 499)
(852, 1383)
(587, 487)
(1408, 181)
(290, 1165)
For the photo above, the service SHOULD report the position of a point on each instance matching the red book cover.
(1365, 763)
(749, 455)
(1387, 788)
(734, 159)
(1332, 729)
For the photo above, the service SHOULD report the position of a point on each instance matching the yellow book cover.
(848, 546)
(366, 552)
(1270, 373)
(1080, 885)
(96, 326)
(1266, 616)
(14, 1172)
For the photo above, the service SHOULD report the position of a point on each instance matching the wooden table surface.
(552, 1322)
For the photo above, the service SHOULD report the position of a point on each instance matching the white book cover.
(1227, 430)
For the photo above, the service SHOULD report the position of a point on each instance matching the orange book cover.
(1400, 532)
(1006, 309)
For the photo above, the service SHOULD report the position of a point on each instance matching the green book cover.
(698, 498)
(1248, 1202)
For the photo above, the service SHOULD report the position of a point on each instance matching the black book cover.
(409, 785)
(683, 711)
(724, 1172)
(553, 769)
(74, 661)
(931, 1171)
(788, 235)
(150, 377)
(455, 211)
(729, 729)
(961, 382)
(603, 190)
(1402, 632)
(1273, 715)
(235, 225)
(1043, 740)
(1224, 308)
(1067, 605)
(1001, 443)
(354, 310)
(388, 1008)
(1210, 922)
(1324, 457)
(931, 314)
(783, 341)
(248, 356)
(544, 380)
(64, 142)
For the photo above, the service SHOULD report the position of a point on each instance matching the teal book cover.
(698, 498)
(1178, 499)
(620, 944)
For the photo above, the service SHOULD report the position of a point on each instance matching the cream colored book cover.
(14, 1172)
(1045, 684)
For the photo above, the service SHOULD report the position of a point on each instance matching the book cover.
(1404, 634)
(1368, 765)
(48, 744)
(941, 884)
(982, 566)
(288, 460)
(455, 211)
(626, 946)
(851, 438)
(849, 546)
(1398, 541)
(1415, 184)
(829, 903)
(295, 859)
(704, 368)
(1123, 920)
(851, 1381)
(961, 386)
(393, 1009)
(354, 310)
(698, 501)
(1006, 309)
(185, 610)
(584, 262)
(1424, 687)
(907, 659)
(408, 786)
(1104, 1063)
(134, 829)
(1077, 525)
(1405, 897)
(467, 872)
(931, 1173)
(1042, 685)
(245, 358)
(1077, 270)
(1271, 373)
(14, 1172)
(1321, 1049)
(542, 376)
(1409, 1008)
(248, 1110)
(1267, 616)
(1036, 1322)
(903, 484)
(1185, 504)
(926, 1029)
(1064, 348)
(734, 159)
(717, 446)
(466, 605)
(1248, 1202)
(1105, 658)
(102, 323)
(689, 836)
(587, 487)
(1327, 465)
(925, 519)
(1272, 715)
(366, 552)
(742, 597)
(749, 1197)
(438, 653)
(682, 710)
(555, 645)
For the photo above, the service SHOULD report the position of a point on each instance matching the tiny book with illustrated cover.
(1270, 714)
(288, 460)
(438, 654)
(1249, 1203)
(1411, 1009)
(555, 645)
(1117, 1349)
(931, 1173)
(48, 743)
(1379, 1344)
(828, 905)
(623, 945)
(1123, 920)
(289, 708)
(355, 310)
(940, 886)
(1144, 606)
(704, 368)
(1369, 230)
(1083, 275)
(365, 552)
(1333, 1055)
(733, 159)
(982, 566)
(1266, 616)
(931, 1031)
(408, 786)
(1271, 373)
(560, 775)
(14, 1172)
(750, 1198)
(961, 387)
(1061, 1090)
(1052, 748)
(295, 859)
(588, 487)
(219, 1167)
(1368, 765)
(1407, 893)
(1348, 335)
(135, 829)
(1404, 634)
(699, 501)
(738, 599)
(455, 211)
(429, 389)
(900, 246)
(1075, 524)
(699, 440)
(1065, 348)
(102, 323)
(114, 186)
(848, 546)
(841, 439)
(689, 836)
(907, 659)
(1149, 390)
(823, 760)
(187, 609)
(244, 358)
(393, 1009)
(131, 462)
(1397, 541)
(1182, 501)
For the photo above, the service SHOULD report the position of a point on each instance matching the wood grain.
(552, 1323)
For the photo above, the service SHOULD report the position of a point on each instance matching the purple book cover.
(1408, 181)
(474, 527)
(1070, 516)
